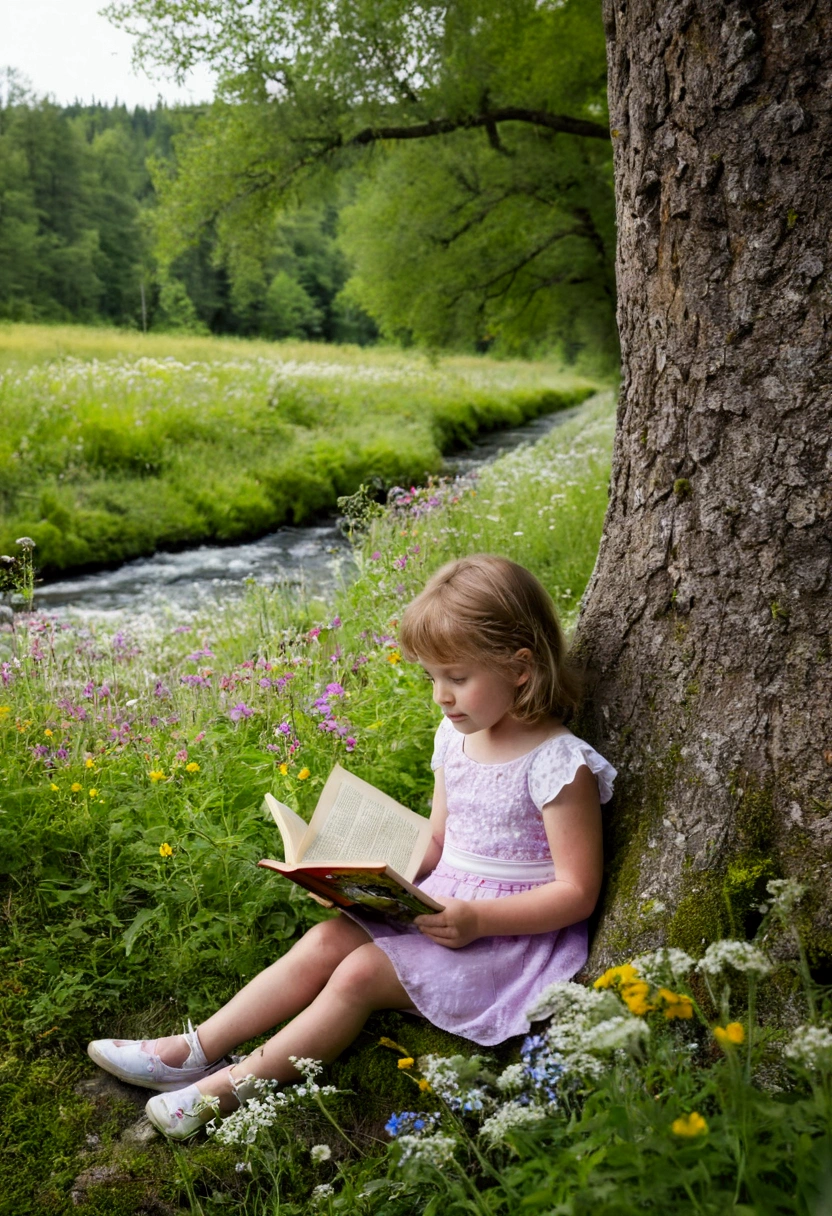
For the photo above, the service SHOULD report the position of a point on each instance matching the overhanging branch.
(443, 126)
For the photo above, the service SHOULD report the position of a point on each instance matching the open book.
(361, 848)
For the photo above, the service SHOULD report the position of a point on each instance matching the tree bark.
(707, 624)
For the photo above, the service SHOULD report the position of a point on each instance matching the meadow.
(115, 444)
(134, 762)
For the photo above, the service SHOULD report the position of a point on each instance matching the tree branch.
(443, 126)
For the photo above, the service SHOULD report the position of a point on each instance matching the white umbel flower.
(742, 956)
(811, 1048)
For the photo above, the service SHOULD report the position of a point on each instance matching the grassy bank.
(115, 445)
(133, 763)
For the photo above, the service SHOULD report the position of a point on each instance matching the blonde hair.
(485, 609)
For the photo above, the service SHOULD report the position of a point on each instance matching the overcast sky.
(66, 50)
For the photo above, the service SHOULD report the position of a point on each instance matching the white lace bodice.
(494, 809)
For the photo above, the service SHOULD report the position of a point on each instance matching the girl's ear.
(523, 659)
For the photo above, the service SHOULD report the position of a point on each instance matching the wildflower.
(375, 557)
(689, 1125)
(734, 1032)
(785, 893)
(625, 974)
(740, 955)
(634, 997)
(406, 1062)
(284, 769)
(53, 786)
(811, 1048)
(410, 1122)
(659, 964)
(240, 710)
(424, 1086)
(89, 762)
(507, 1117)
(25, 542)
(319, 1153)
(49, 733)
(394, 657)
(303, 774)
(93, 793)
(165, 850)
(193, 767)
(156, 774)
(76, 787)
(321, 1192)
(436, 1150)
(676, 1004)
(5, 710)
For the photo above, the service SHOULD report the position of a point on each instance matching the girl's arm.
(437, 823)
(573, 828)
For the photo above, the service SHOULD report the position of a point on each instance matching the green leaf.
(136, 925)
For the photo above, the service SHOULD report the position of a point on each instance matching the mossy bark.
(707, 623)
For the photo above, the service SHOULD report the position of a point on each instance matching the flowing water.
(314, 557)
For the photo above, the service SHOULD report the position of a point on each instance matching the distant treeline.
(78, 207)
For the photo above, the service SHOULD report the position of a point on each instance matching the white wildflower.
(319, 1153)
(436, 1150)
(660, 965)
(786, 893)
(321, 1192)
(566, 999)
(622, 1033)
(508, 1116)
(811, 1048)
(513, 1077)
(742, 956)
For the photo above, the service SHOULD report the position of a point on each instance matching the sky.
(66, 50)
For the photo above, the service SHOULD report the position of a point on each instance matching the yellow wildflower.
(406, 1062)
(157, 774)
(394, 657)
(284, 769)
(677, 1004)
(93, 793)
(193, 767)
(634, 997)
(626, 974)
(303, 774)
(424, 1086)
(49, 733)
(76, 787)
(53, 786)
(385, 1042)
(733, 1033)
(5, 710)
(165, 850)
(89, 762)
(689, 1125)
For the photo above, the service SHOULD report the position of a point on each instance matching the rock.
(139, 1133)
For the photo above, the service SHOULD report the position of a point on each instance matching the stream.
(314, 557)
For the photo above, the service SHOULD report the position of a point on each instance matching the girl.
(515, 859)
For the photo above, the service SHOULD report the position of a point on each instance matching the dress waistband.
(498, 867)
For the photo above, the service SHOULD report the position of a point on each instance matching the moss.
(682, 488)
(700, 915)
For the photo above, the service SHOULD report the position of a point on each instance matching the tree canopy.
(469, 140)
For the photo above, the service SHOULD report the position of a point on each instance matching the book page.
(292, 827)
(359, 826)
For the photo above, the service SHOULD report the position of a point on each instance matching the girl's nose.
(441, 693)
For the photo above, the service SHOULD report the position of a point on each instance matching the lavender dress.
(495, 845)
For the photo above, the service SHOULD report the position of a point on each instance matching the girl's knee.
(361, 975)
(330, 941)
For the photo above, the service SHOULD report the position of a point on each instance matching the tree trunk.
(707, 624)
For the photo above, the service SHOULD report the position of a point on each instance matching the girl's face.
(471, 696)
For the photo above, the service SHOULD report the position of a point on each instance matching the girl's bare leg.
(278, 993)
(364, 981)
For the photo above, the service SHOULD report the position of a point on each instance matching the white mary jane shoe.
(181, 1114)
(129, 1063)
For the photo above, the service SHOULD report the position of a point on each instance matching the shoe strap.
(196, 1057)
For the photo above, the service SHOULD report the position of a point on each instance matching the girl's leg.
(276, 994)
(364, 981)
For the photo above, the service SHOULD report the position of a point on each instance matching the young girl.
(515, 859)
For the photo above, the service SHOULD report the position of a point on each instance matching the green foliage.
(97, 461)
(492, 220)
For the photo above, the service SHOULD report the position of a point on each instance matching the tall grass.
(114, 445)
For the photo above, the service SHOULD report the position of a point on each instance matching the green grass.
(114, 445)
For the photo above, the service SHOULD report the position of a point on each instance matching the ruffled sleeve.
(443, 736)
(555, 764)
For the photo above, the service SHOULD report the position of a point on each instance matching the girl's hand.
(457, 926)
